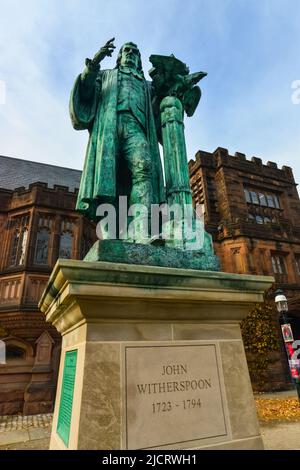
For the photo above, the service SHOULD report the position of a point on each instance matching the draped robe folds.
(96, 111)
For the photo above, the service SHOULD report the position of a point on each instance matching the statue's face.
(130, 56)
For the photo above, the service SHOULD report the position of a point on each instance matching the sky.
(250, 50)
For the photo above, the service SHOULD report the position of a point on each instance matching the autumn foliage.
(260, 333)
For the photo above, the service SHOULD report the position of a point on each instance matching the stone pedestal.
(152, 357)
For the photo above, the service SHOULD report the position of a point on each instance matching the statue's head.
(130, 56)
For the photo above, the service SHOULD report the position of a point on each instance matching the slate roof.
(15, 172)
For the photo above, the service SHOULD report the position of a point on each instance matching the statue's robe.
(93, 106)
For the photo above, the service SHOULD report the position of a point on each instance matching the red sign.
(287, 333)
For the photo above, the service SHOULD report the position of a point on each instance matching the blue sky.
(249, 48)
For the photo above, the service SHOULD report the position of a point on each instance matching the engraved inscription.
(174, 369)
(172, 401)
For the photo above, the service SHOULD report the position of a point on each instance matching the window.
(14, 352)
(262, 199)
(254, 197)
(23, 244)
(65, 245)
(42, 247)
(259, 219)
(19, 240)
(14, 248)
(247, 195)
(278, 264)
(270, 200)
(276, 200)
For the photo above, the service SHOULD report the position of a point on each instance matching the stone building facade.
(252, 211)
(38, 224)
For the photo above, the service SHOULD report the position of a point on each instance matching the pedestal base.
(152, 358)
(118, 251)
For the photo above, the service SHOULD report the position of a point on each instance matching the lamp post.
(288, 338)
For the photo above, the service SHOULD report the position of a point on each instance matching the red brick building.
(252, 211)
(38, 224)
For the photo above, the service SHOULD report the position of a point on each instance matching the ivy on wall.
(261, 337)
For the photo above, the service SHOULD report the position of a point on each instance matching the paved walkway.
(25, 432)
(281, 436)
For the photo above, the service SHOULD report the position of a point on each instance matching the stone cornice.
(229, 296)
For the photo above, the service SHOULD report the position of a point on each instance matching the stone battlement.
(39, 184)
(220, 157)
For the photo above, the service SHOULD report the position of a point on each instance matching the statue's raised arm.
(104, 51)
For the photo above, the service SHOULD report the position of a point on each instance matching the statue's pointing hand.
(105, 51)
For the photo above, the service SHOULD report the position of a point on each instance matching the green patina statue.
(122, 154)
(127, 117)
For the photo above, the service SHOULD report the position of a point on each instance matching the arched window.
(14, 352)
(42, 246)
(65, 245)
